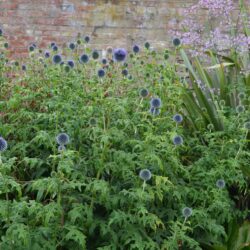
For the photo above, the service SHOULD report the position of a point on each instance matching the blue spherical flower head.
(31, 48)
(104, 61)
(61, 148)
(155, 102)
(86, 39)
(101, 73)
(71, 63)
(178, 118)
(109, 50)
(154, 111)
(120, 54)
(247, 125)
(144, 93)
(84, 58)
(72, 46)
(62, 139)
(241, 96)
(147, 45)
(95, 54)
(3, 144)
(24, 67)
(52, 44)
(220, 183)
(46, 54)
(55, 48)
(145, 174)
(187, 212)
(177, 140)
(125, 72)
(92, 121)
(176, 42)
(136, 48)
(57, 59)
(240, 109)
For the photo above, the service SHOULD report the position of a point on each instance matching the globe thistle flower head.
(61, 148)
(72, 46)
(92, 121)
(119, 54)
(62, 63)
(31, 48)
(147, 45)
(241, 96)
(187, 212)
(3, 144)
(177, 140)
(84, 58)
(67, 68)
(136, 49)
(86, 39)
(145, 174)
(210, 126)
(125, 72)
(6, 45)
(178, 118)
(71, 63)
(95, 54)
(101, 73)
(55, 48)
(247, 125)
(176, 42)
(155, 102)
(46, 54)
(154, 111)
(222, 102)
(16, 63)
(240, 109)
(57, 59)
(24, 67)
(220, 183)
(109, 50)
(52, 44)
(62, 139)
(144, 93)
(104, 61)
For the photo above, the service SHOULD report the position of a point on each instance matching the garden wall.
(108, 22)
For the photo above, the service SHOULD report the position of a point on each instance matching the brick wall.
(108, 22)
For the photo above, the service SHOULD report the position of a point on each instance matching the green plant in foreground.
(87, 194)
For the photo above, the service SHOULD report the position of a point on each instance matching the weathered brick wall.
(108, 22)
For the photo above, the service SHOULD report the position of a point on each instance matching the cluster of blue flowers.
(3, 144)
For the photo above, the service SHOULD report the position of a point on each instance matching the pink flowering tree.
(225, 27)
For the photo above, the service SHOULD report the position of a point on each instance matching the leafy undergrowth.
(90, 193)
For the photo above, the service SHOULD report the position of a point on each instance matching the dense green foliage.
(90, 195)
